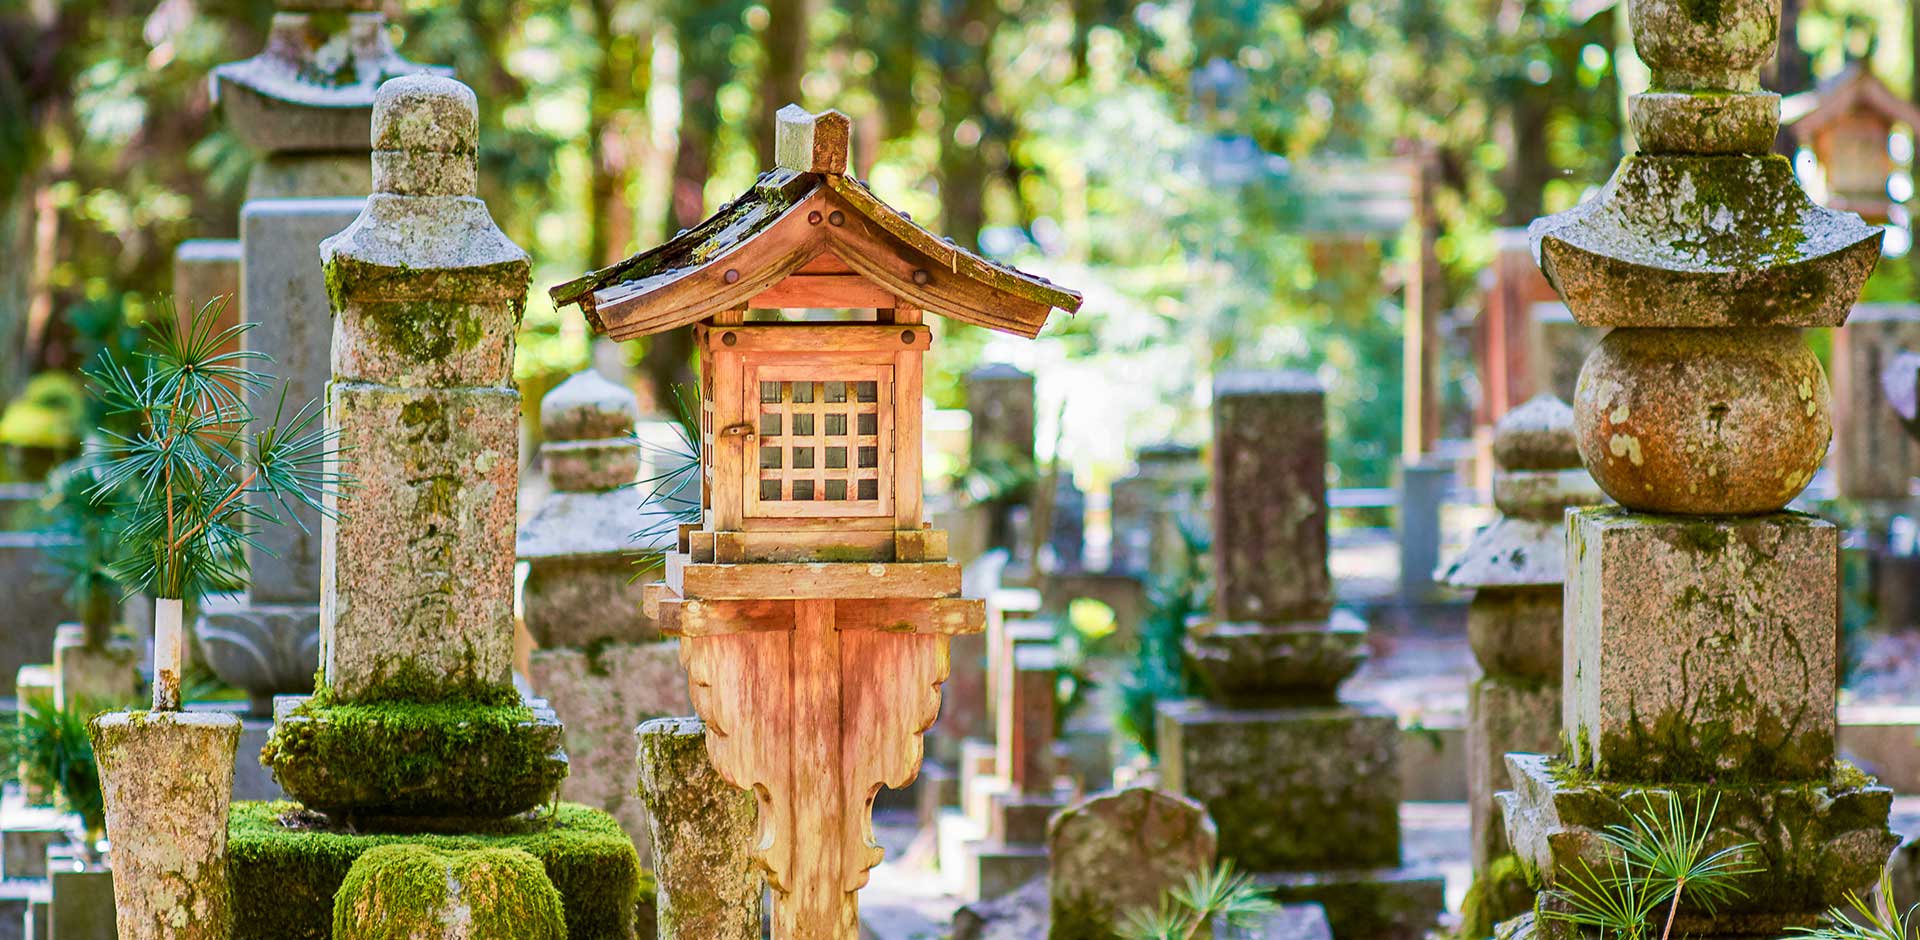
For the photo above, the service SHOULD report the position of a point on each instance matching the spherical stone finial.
(1719, 422)
(1538, 435)
(588, 406)
(425, 134)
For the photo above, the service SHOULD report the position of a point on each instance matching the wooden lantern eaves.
(1846, 123)
(827, 230)
(811, 440)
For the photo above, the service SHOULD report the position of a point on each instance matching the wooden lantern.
(812, 601)
(1846, 123)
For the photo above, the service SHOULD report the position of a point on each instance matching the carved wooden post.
(813, 603)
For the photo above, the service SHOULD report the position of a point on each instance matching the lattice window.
(824, 442)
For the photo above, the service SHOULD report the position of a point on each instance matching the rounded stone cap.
(425, 114)
(1265, 383)
(588, 406)
(1538, 435)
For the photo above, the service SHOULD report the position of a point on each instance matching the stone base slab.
(1289, 788)
(396, 759)
(998, 868)
(1701, 649)
(1814, 841)
(286, 867)
(1393, 903)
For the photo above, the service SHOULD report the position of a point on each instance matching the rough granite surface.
(1741, 613)
(168, 778)
(703, 832)
(1119, 851)
(1289, 788)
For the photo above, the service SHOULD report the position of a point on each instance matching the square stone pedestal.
(1291, 789)
(1701, 649)
(1814, 840)
(93, 679)
(1506, 714)
(285, 875)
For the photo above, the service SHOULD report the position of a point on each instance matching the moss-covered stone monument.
(1701, 617)
(416, 736)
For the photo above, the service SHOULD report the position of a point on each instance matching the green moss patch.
(286, 866)
(398, 892)
(409, 759)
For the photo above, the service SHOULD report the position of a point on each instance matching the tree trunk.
(785, 44)
(614, 103)
(1791, 70)
(965, 46)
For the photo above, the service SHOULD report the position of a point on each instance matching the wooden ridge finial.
(812, 143)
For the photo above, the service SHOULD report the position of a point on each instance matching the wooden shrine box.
(813, 604)
(811, 431)
(1847, 123)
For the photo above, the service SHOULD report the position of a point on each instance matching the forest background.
(1170, 159)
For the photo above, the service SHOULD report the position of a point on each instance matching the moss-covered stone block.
(1811, 841)
(1289, 788)
(1400, 903)
(287, 865)
(404, 892)
(1502, 890)
(1701, 649)
(396, 759)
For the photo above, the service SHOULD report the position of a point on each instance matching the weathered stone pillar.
(1515, 567)
(167, 777)
(1023, 794)
(304, 105)
(1302, 786)
(703, 835)
(1701, 617)
(417, 587)
(601, 662)
(1150, 507)
(1000, 447)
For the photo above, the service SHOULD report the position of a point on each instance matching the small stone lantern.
(1847, 125)
(813, 603)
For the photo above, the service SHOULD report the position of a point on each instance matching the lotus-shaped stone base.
(1286, 663)
(266, 649)
(395, 759)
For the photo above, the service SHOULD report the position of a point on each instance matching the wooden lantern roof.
(808, 234)
(1855, 90)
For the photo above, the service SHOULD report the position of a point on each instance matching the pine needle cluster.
(196, 453)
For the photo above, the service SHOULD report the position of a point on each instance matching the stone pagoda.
(1514, 568)
(304, 105)
(1701, 614)
(1304, 788)
(601, 660)
(416, 726)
